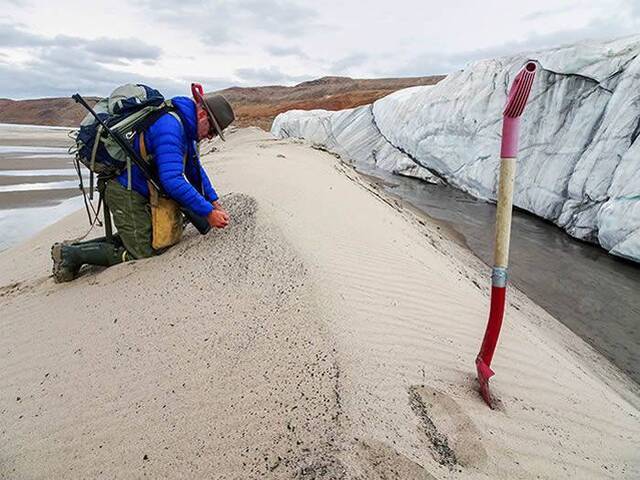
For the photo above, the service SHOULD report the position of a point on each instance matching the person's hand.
(217, 206)
(217, 218)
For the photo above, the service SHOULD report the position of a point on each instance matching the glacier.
(579, 161)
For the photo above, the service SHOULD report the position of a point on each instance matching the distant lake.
(38, 181)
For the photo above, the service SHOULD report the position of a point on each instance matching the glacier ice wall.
(579, 161)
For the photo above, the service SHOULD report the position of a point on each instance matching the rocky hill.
(58, 112)
(258, 106)
(253, 105)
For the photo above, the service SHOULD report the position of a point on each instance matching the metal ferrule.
(499, 277)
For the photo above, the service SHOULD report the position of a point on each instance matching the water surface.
(38, 181)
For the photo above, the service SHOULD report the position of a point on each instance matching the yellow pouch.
(166, 217)
(166, 220)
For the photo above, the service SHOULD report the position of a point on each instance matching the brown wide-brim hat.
(220, 112)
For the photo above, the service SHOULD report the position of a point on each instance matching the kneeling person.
(171, 142)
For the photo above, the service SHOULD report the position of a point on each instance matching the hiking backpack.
(129, 110)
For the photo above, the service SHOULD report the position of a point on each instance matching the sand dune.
(330, 332)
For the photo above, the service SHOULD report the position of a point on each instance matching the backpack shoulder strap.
(151, 118)
(143, 147)
(175, 115)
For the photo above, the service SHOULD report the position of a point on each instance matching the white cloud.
(544, 14)
(270, 76)
(247, 42)
(284, 51)
(103, 48)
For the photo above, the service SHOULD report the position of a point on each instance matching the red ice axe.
(516, 101)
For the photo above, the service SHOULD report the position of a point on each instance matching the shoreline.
(336, 340)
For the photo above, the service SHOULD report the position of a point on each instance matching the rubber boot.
(115, 239)
(68, 259)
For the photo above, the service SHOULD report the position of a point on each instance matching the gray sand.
(328, 333)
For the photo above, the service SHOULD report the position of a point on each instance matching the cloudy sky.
(56, 48)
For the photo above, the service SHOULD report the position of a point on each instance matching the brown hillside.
(59, 112)
(258, 106)
(253, 105)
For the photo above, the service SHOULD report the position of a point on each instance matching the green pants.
(132, 218)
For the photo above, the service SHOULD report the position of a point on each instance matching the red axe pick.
(516, 101)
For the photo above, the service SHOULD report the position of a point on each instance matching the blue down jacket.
(167, 140)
